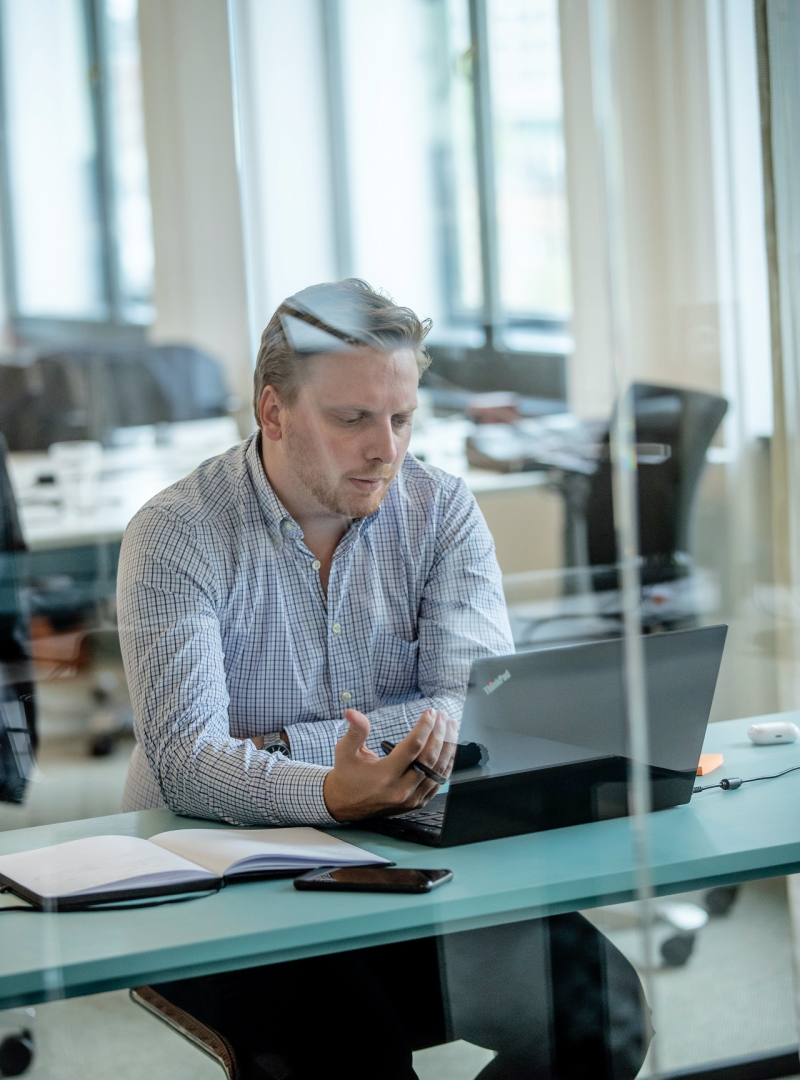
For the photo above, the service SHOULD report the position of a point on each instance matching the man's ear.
(269, 413)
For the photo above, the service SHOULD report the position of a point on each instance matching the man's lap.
(552, 995)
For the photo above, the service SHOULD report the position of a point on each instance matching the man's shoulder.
(432, 493)
(210, 494)
(427, 484)
(429, 501)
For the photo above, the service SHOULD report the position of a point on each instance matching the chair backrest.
(82, 394)
(190, 380)
(686, 421)
(17, 705)
(87, 393)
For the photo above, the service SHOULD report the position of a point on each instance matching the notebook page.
(93, 864)
(224, 850)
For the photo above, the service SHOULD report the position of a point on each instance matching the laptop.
(553, 729)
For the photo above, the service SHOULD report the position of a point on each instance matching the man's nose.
(383, 443)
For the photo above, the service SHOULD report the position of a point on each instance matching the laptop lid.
(554, 723)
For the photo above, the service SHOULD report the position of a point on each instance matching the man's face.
(346, 434)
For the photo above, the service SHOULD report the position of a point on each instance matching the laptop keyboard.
(431, 816)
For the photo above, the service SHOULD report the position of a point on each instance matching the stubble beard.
(330, 496)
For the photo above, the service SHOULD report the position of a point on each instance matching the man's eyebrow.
(364, 409)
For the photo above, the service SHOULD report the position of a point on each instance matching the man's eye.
(401, 421)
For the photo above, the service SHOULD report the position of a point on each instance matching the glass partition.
(594, 202)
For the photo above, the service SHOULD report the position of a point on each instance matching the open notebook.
(108, 869)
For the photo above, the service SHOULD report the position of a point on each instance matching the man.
(283, 610)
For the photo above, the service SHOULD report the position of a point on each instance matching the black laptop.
(553, 727)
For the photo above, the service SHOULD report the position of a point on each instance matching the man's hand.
(361, 784)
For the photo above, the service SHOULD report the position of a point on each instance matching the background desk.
(720, 837)
(132, 475)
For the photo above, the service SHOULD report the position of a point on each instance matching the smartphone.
(373, 879)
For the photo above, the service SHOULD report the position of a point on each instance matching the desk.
(720, 837)
(131, 475)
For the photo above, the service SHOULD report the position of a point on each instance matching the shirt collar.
(278, 520)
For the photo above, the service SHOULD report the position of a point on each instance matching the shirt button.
(336, 628)
(288, 525)
(316, 564)
(345, 695)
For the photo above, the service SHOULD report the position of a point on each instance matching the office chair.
(18, 738)
(84, 394)
(191, 381)
(685, 421)
(88, 393)
(682, 423)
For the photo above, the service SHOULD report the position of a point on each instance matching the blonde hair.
(327, 318)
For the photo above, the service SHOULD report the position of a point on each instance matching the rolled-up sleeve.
(168, 598)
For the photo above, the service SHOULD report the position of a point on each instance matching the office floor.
(733, 998)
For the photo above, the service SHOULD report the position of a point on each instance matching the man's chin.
(362, 505)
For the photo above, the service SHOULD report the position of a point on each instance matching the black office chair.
(686, 422)
(191, 381)
(18, 738)
(673, 430)
(88, 393)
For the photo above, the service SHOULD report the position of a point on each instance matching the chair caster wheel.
(102, 745)
(720, 900)
(676, 950)
(16, 1054)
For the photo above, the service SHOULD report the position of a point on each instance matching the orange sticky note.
(708, 762)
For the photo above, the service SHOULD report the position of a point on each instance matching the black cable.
(732, 783)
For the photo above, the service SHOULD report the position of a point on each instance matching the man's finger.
(408, 750)
(429, 755)
(422, 794)
(447, 756)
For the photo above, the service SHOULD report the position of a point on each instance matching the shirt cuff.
(315, 741)
(296, 793)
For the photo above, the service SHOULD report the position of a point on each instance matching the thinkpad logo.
(493, 685)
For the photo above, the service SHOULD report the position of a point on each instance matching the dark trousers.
(552, 996)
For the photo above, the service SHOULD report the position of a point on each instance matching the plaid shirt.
(227, 633)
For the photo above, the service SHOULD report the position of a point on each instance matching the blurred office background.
(171, 170)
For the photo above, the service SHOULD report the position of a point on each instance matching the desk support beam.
(774, 1066)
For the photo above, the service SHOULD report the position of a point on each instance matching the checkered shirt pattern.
(227, 633)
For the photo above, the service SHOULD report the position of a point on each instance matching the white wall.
(200, 282)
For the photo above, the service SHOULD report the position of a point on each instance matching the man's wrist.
(278, 745)
(333, 805)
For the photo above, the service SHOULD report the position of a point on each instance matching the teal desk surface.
(719, 837)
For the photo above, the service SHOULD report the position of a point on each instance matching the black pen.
(437, 778)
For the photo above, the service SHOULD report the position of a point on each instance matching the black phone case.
(314, 884)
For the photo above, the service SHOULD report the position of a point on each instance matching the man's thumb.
(357, 731)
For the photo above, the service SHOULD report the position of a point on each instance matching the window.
(76, 221)
(502, 163)
(469, 90)
(420, 145)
